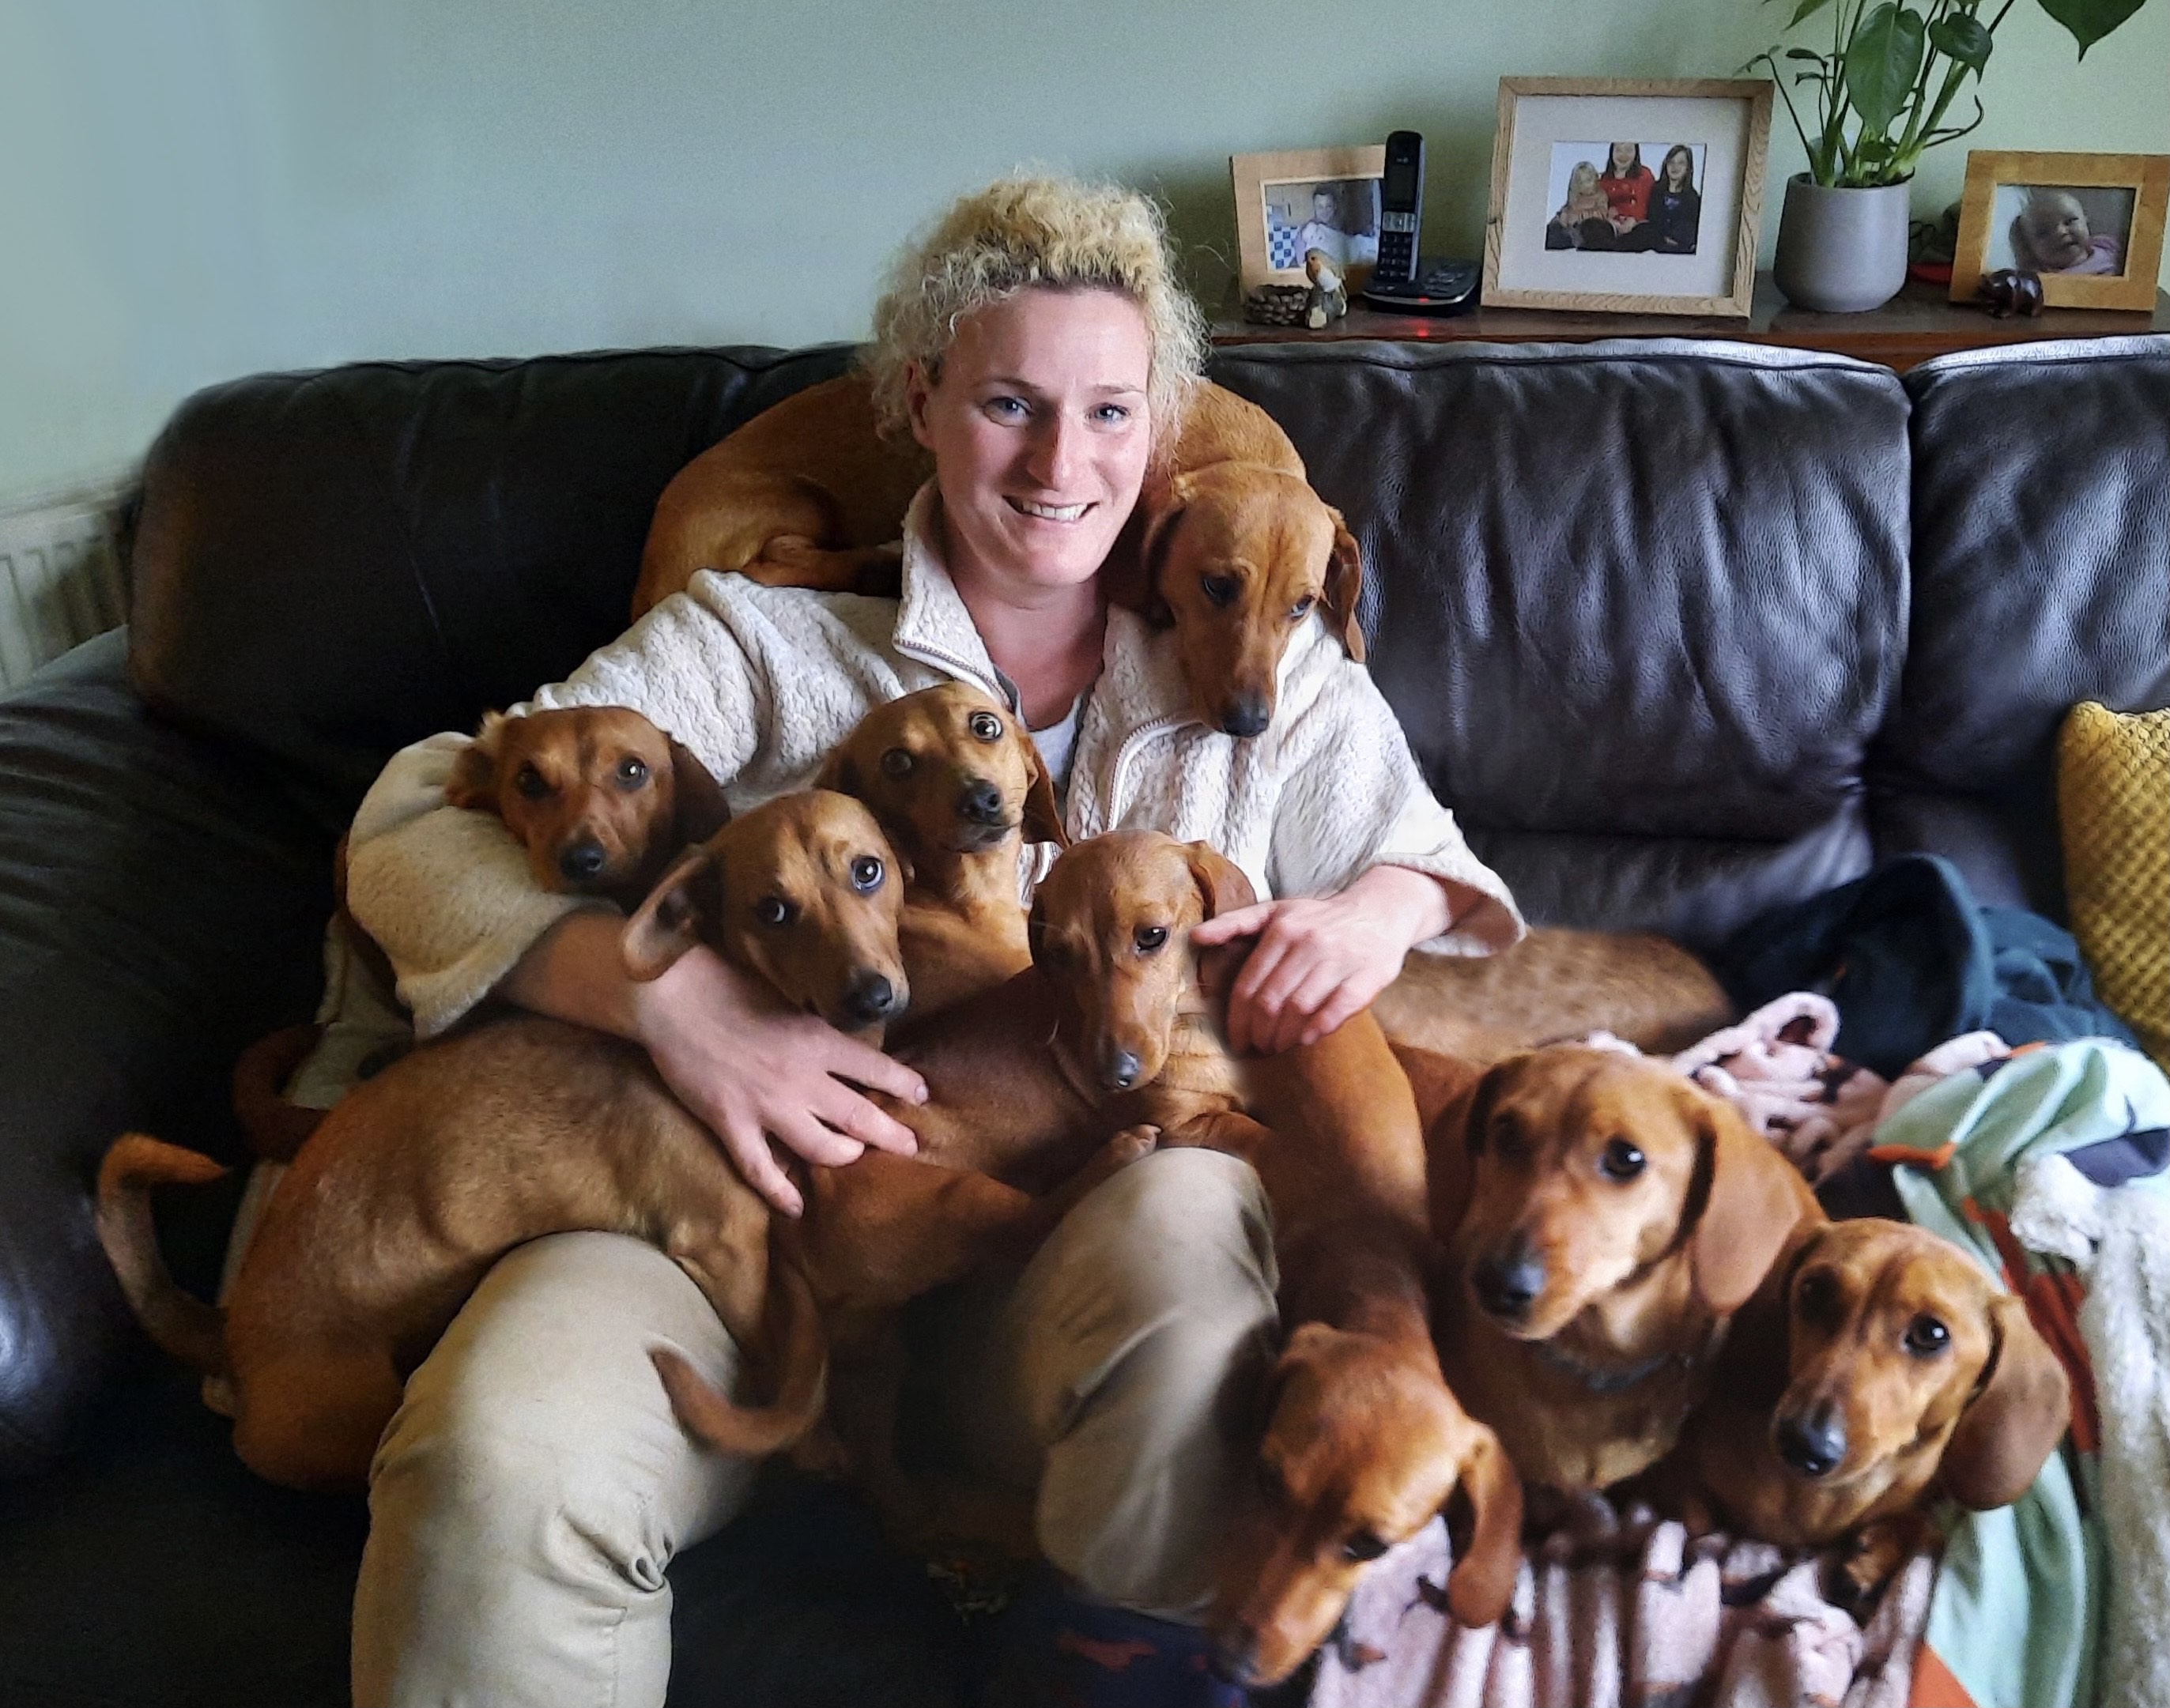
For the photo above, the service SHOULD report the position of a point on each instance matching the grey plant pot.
(1842, 251)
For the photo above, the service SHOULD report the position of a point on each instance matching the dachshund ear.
(1152, 554)
(1742, 1206)
(686, 901)
(1222, 884)
(1345, 587)
(1035, 927)
(1043, 818)
(1453, 1142)
(840, 772)
(473, 782)
(2017, 1415)
(701, 807)
(1482, 1584)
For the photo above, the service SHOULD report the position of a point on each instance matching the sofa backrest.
(1641, 604)
(1644, 607)
(2041, 563)
(333, 564)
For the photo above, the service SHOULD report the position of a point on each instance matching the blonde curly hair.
(1026, 231)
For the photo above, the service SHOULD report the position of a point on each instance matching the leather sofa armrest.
(162, 902)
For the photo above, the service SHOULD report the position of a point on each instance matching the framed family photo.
(2089, 226)
(1618, 196)
(1289, 203)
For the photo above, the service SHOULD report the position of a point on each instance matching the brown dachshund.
(959, 787)
(424, 1176)
(1878, 1364)
(602, 798)
(604, 801)
(1554, 986)
(1236, 556)
(1363, 1441)
(1603, 1219)
(1227, 542)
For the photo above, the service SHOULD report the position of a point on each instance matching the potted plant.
(1881, 95)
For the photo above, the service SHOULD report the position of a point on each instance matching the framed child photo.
(1618, 196)
(2088, 225)
(1298, 199)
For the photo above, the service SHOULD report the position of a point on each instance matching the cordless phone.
(1405, 282)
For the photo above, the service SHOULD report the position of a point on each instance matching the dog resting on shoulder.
(1227, 542)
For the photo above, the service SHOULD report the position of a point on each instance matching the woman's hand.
(740, 1062)
(753, 1069)
(1319, 961)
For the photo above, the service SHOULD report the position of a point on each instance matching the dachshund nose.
(1122, 1070)
(1813, 1444)
(1246, 715)
(982, 800)
(1507, 1282)
(871, 998)
(582, 860)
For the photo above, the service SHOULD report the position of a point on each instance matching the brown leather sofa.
(1679, 629)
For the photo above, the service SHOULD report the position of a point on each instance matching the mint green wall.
(191, 190)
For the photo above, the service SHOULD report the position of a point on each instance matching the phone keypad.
(1397, 253)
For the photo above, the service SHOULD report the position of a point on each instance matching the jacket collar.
(932, 624)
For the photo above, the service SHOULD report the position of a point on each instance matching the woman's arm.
(449, 896)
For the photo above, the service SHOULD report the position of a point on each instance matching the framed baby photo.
(2089, 226)
(1289, 203)
(1621, 196)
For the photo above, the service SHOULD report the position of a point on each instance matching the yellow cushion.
(2113, 803)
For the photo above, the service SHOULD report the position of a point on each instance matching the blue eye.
(1113, 415)
(1007, 408)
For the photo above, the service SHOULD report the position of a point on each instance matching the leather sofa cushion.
(2041, 560)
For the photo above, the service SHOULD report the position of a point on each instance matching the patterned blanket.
(1620, 1611)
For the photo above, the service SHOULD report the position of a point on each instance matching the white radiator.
(60, 575)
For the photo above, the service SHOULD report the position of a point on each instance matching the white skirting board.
(60, 573)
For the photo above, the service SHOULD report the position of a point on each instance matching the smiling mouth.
(1049, 513)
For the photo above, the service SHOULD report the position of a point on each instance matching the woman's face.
(1623, 155)
(1676, 169)
(1039, 433)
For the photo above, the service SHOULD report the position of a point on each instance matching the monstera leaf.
(2090, 20)
(1961, 36)
(1881, 62)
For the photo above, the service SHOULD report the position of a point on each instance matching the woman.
(533, 1486)
(1676, 206)
(1627, 183)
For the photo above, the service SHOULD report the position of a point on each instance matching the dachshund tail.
(801, 1358)
(183, 1325)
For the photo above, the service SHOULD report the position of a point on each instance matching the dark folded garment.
(1912, 959)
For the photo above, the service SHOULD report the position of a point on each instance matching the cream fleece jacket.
(761, 682)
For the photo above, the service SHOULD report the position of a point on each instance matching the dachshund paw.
(1130, 1144)
(1854, 1579)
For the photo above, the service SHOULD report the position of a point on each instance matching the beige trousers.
(534, 1486)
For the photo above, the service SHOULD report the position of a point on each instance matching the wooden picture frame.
(1536, 258)
(1263, 185)
(2005, 186)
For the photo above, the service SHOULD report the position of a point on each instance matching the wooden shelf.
(1916, 324)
